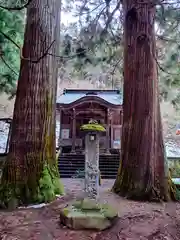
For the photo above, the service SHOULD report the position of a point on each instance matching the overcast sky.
(67, 18)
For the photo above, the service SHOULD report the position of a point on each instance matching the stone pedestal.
(92, 165)
(87, 214)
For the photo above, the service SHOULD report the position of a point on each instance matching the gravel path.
(137, 221)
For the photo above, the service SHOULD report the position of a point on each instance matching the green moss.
(93, 127)
(45, 190)
(66, 211)
(126, 187)
(49, 185)
(77, 204)
(108, 211)
(87, 205)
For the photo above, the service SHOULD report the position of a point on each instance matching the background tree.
(100, 29)
(106, 54)
(168, 59)
(142, 174)
(30, 173)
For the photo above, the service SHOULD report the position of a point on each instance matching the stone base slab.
(88, 214)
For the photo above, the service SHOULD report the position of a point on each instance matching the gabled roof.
(69, 96)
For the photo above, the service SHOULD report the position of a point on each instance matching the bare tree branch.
(16, 8)
(7, 65)
(163, 70)
(39, 58)
(115, 66)
(20, 48)
(109, 20)
(10, 39)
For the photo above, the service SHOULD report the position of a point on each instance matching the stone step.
(102, 168)
(83, 159)
(101, 162)
(82, 168)
(70, 164)
(74, 172)
(65, 175)
(76, 156)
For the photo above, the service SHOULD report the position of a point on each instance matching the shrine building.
(77, 106)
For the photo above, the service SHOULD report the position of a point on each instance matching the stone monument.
(89, 213)
(92, 173)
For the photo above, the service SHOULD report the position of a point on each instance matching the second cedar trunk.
(141, 173)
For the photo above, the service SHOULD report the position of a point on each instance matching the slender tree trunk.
(31, 173)
(141, 174)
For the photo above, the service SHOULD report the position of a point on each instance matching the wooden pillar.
(73, 131)
(60, 121)
(121, 122)
(121, 117)
(107, 131)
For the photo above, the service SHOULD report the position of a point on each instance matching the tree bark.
(31, 173)
(141, 174)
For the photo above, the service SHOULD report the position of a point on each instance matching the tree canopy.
(100, 32)
(92, 46)
(11, 34)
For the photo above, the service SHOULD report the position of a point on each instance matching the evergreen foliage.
(169, 54)
(100, 32)
(12, 27)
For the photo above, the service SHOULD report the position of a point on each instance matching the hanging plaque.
(65, 133)
(116, 144)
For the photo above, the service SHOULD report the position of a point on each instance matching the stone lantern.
(92, 131)
(89, 213)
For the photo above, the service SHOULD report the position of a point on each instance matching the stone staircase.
(72, 165)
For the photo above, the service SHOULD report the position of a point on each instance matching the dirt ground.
(137, 221)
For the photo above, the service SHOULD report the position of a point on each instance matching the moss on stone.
(93, 127)
(88, 214)
(87, 205)
(66, 211)
(108, 211)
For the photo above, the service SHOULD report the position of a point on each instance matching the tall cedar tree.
(31, 174)
(142, 173)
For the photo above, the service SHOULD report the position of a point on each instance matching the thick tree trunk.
(31, 173)
(141, 173)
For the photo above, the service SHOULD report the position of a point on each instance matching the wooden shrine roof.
(70, 96)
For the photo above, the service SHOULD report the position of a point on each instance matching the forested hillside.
(91, 54)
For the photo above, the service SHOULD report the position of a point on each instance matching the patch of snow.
(41, 205)
(176, 181)
(4, 131)
(60, 196)
(172, 149)
(35, 206)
